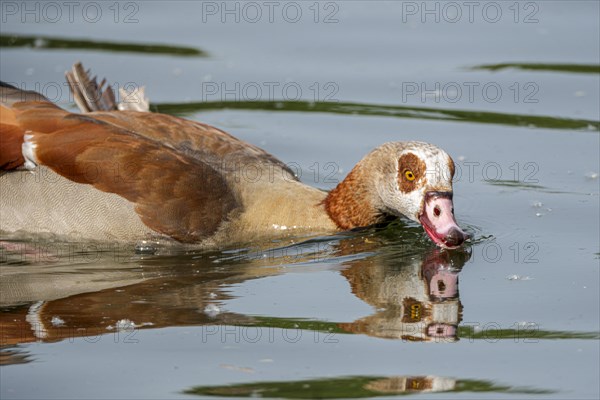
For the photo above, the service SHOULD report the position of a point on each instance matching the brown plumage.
(350, 204)
(11, 139)
(179, 178)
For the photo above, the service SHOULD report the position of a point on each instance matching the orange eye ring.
(409, 175)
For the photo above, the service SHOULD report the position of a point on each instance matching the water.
(373, 313)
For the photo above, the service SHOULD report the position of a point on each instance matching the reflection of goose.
(418, 300)
(112, 174)
(402, 384)
(415, 301)
(333, 388)
(358, 387)
(104, 298)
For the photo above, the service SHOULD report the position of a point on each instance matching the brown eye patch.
(410, 163)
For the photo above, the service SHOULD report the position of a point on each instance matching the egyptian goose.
(111, 174)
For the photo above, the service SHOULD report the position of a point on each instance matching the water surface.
(379, 312)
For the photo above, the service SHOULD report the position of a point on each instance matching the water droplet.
(125, 325)
(212, 310)
(591, 175)
(39, 43)
(145, 247)
(518, 278)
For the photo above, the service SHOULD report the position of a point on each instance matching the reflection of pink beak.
(444, 285)
(441, 330)
(438, 220)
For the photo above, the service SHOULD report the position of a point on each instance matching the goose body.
(110, 174)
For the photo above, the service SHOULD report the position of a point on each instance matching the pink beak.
(438, 220)
(441, 331)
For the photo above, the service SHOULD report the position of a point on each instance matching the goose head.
(400, 179)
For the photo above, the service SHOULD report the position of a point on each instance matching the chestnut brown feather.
(11, 138)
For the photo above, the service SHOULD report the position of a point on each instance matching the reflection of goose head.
(415, 301)
(440, 271)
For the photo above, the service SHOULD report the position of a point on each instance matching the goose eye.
(409, 175)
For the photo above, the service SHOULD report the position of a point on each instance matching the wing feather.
(173, 194)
